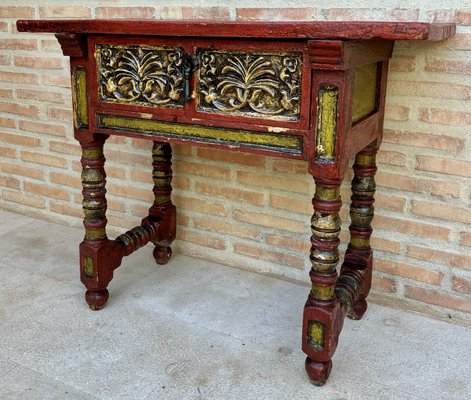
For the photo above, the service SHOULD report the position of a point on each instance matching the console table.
(303, 90)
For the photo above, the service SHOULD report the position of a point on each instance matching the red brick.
(231, 157)
(202, 206)
(29, 199)
(383, 284)
(125, 190)
(16, 12)
(425, 140)
(290, 243)
(38, 62)
(429, 89)
(268, 255)
(6, 93)
(64, 209)
(40, 95)
(13, 108)
(445, 117)
(7, 152)
(403, 63)
(444, 166)
(387, 245)
(442, 210)
(461, 285)
(65, 148)
(230, 193)
(276, 14)
(392, 158)
(18, 44)
(18, 77)
(270, 221)
(439, 256)
(291, 204)
(393, 203)
(125, 12)
(273, 181)
(460, 41)
(437, 298)
(19, 140)
(7, 122)
(10, 182)
(226, 228)
(408, 271)
(4, 60)
(290, 166)
(21, 170)
(411, 227)
(46, 190)
(41, 127)
(200, 239)
(422, 185)
(56, 80)
(449, 66)
(396, 113)
(59, 114)
(372, 14)
(43, 159)
(209, 171)
(65, 12)
(464, 17)
(209, 13)
(51, 46)
(465, 239)
(65, 179)
(442, 16)
(3, 26)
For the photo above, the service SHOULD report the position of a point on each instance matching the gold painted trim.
(80, 100)
(326, 127)
(364, 91)
(95, 234)
(323, 292)
(88, 267)
(93, 153)
(284, 143)
(327, 193)
(316, 334)
(359, 243)
(365, 159)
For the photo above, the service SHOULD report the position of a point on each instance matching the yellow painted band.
(364, 91)
(79, 89)
(326, 123)
(199, 132)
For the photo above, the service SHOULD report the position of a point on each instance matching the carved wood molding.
(73, 45)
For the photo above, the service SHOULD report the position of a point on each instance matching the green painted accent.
(316, 334)
(79, 92)
(326, 124)
(277, 142)
(88, 267)
(359, 243)
(364, 91)
(365, 159)
(93, 153)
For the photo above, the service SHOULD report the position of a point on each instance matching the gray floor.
(196, 330)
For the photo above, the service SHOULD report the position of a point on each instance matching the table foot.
(358, 310)
(318, 372)
(162, 254)
(96, 299)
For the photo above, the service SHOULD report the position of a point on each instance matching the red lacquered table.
(303, 90)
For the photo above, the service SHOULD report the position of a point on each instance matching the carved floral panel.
(263, 85)
(141, 75)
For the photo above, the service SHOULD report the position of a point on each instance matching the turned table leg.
(98, 257)
(162, 211)
(358, 263)
(323, 314)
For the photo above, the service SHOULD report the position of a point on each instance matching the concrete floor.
(196, 330)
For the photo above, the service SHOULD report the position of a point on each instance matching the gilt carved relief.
(250, 84)
(141, 75)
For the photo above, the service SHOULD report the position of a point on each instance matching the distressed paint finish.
(278, 142)
(326, 124)
(341, 109)
(249, 83)
(79, 95)
(365, 91)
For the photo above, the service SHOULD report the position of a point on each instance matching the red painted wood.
(248, 29)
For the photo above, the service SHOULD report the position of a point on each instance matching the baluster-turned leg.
(323, 314)
(98, 255)
(162, 210)
(355, 279)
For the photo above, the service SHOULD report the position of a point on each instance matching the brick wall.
(250, 211)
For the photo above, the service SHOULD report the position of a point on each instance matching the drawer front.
(141, 75)
(250, 84)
